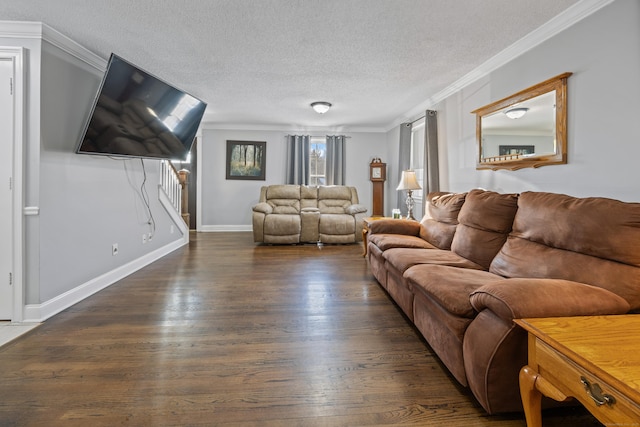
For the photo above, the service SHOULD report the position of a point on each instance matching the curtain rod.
(430, 112)
(419, 118)
(315, 136)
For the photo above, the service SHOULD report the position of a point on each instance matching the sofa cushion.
(451, 287)
(439, 225)
(595, 226)
(485, 221)
(403, 258)
(439, 234)
(285, 206)
(553, 236)
(283, 192)
(282, 225)
(388, 241)
(333, 206)
(308, 196)
(445, 207)
(336, 224)
(339, 192)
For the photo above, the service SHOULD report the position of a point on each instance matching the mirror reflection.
(527, 129)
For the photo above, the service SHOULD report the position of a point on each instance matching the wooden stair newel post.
(183, 174)
(378, 175)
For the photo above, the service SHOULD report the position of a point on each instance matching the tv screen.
(135, 114)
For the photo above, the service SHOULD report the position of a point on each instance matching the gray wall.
(226, 204)
(603, 52)
(85, 203)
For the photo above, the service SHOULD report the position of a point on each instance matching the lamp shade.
(408, 181)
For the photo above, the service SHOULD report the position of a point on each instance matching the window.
(317, 161)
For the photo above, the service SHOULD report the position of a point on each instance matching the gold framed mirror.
(526, 129)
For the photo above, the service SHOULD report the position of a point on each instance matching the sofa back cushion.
(589, 240)
(439, 225)
(485, 221)
(284, 199)
(334, 199)
(308, 196)
(445, 207)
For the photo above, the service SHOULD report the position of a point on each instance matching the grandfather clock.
(378, 175)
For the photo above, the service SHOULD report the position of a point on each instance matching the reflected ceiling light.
(320, 107)
(516, 113)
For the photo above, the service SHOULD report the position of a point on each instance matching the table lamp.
(409, 182)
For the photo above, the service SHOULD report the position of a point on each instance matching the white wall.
(603, 52)
(226, 204)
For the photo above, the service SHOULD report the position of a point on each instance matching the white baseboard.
(223, 228)
(43, 311)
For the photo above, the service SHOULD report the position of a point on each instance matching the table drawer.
(567, 377)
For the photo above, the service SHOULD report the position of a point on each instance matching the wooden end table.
(595, 359)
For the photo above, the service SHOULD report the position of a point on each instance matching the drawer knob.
(595, 393)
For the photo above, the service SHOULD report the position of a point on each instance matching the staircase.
(172, 192)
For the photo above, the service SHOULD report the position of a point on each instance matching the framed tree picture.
(246, 160)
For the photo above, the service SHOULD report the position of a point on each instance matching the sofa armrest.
(355, 209)
(263, 207)
(395, 226)
(519, 298)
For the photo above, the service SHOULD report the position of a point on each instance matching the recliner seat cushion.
(282, 225)
(403, 258)
(451, 287)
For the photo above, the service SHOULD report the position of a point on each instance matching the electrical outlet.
(144, 239)
(172, 229)
(114, 249)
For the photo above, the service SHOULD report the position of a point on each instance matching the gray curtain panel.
(431, 168)
(404, 158)
(335, 169)
(298, 159)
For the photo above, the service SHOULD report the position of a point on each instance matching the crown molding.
(41, 31)
(209, 125)
(554, 26)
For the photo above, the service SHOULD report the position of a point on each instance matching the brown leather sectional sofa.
(480, 259)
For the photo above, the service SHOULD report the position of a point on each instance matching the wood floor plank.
(226, 332)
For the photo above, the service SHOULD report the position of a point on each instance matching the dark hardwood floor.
(226, 332)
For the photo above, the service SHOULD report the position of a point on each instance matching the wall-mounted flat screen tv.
(136, 114)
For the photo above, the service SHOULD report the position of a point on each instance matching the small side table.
(594, 359)
(365, 229)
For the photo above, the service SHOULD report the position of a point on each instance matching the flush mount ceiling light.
(320, 107)
(516, 113)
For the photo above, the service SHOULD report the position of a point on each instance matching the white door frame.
(17, 56)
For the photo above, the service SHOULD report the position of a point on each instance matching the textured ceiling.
(262, 62)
